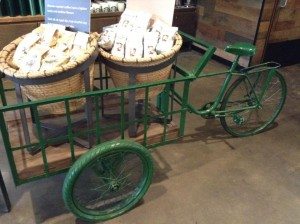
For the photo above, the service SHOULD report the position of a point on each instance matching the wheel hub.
(114, 185)
(238, 119)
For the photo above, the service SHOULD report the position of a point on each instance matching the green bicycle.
(252, 102)
(111, 178)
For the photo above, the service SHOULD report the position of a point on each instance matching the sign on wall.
(71, 13)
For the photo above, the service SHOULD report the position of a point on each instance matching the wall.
(287, 23)
(263, 29)
(223, 22)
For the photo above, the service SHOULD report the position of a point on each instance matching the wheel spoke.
(250, 121)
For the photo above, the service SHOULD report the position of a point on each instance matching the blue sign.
(75, 14)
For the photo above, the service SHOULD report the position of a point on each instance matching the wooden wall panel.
(264, 29)
(225, 22)
(287, 23)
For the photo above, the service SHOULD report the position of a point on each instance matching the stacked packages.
(137, 36)
(49, 46)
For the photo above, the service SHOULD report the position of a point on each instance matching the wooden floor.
(59, 156)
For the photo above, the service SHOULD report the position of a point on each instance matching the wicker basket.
(121, 79)
(68, 86)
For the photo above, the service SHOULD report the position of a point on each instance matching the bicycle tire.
(92, 159)
(242, 130)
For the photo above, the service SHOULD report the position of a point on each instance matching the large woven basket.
(121, 79)
(67, 86)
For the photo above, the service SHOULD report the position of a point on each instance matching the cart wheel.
(108, 180)
(240, 95)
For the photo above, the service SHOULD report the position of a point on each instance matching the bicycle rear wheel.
(242, 94)
(108, 180)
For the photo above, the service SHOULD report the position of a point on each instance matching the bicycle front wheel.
(108, 180)
(245, 93)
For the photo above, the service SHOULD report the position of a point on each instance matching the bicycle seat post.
(234, 64)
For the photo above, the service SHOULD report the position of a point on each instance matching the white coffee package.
(142, 21)
(158, 26)
(54, 59)
(119, 46)
(66, 41)
(32, 62)
(150, 43)
(50, 36)
(166, 40)
(24, 46)
(128, 20)
(108, 37)
(75, 53)
(134, 46)
(81, 40)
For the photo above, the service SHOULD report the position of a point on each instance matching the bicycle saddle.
(241, 49)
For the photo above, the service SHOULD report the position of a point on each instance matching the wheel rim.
(110, 184)
(252, 121)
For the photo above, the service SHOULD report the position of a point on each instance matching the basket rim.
(157, 58)
(8, 70)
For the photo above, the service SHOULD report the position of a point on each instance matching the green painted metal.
(166, 104)
(241, 49)
(70, 131)
(270, 103)
(7, 146)
(2, 92)
(41, 138)
(166, 110)
(104, 158)
(145, 121)
(184, 107)
(97, 111)
(122, 115)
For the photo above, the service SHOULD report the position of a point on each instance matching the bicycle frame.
(212, 110)
(166, 110)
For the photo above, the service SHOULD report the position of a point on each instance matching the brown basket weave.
(68, 86)
(121, 79)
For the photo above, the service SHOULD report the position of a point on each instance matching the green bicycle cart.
(112, 177)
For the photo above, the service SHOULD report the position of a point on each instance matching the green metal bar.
(2, 93)
(106, 129)
(97, 111)
(90, 94)
(173, 88)
(234, 64)
(203, 61)
(235, 110)
(70, 132)
(122, 115)
(266, 84)
(7, 146)
(195, 40)
(146, 105)
(252, 90)
(165, 112)
(210, 50)
(184, 107)
(263, 67)
(216, 102)
(42, 140)
(106, 78)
